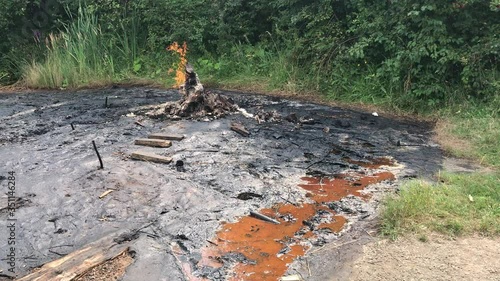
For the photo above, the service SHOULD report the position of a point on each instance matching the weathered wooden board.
(240, 129)
(145, 156)
(164, 136)
(79, 262)
(153, 142)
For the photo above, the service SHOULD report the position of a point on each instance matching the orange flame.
(180, 74)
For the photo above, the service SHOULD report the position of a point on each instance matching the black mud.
(58, 182)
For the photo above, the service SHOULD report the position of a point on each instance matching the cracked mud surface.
(58, 182)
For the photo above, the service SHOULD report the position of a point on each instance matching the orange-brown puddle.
(333, 189)
(269, 248)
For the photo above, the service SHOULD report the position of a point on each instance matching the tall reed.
(82, 55)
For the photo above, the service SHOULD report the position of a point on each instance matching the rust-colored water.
(333, 189)
(269, 248)
(261, 241)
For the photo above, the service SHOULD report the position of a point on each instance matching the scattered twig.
(213, 243)
(333, 246)
(105, 193)
(150, 235)
(60, 246)
(148, 225)
(56, 253)
(263, 217)
(319, 161)
(308, 268)
(98, 156)
(399, 143)
(72, 127)
(288, 201)
(106, 103)
(139, 123)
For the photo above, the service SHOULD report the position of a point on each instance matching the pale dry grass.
(443, 135)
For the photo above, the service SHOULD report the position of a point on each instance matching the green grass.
(471, 131)
(479, 128)
(459, 204)
(250, 67)
(82, 55)
(78, 56)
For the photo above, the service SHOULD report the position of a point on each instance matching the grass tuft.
(459, 204)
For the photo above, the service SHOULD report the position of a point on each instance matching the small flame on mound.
(180, 74)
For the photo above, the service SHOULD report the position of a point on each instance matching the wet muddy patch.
(316, 175)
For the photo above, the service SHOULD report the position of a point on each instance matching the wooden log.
(153, 142)
(240, 129)
(151, 157)
(79, 262)
(163, 136)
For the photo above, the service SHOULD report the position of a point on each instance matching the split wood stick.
(151, 157)
(163, 136)
(153, 142)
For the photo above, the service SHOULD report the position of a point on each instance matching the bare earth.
(473, 258)
(111, 270)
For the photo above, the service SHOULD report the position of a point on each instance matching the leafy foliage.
(413, 54)
(430, 46)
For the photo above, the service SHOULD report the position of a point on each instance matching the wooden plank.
(153, 142)
(79, 262)
(163, 136)
(145, 156)
(240, 129)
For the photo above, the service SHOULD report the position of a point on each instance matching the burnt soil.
(176, 210)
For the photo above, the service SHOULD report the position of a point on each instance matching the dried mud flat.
(320, 179)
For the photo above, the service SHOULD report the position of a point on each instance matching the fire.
(180, 75)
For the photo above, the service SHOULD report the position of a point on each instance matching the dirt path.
(439, 258)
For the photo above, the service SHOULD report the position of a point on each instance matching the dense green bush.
(413, 54)
(430, 47)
